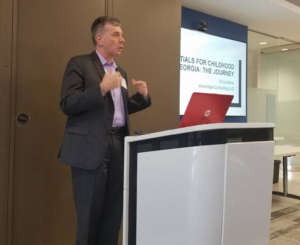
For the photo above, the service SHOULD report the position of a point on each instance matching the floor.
(278, 227)
(279, 202)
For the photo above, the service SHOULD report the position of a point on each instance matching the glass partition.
(262, 79)
(288, 116)
(273, 90)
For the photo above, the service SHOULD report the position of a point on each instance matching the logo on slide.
(207, 113)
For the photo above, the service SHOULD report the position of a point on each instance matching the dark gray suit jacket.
(90, 115)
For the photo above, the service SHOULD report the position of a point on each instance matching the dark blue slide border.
(219, 27)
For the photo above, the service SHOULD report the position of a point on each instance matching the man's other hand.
(141, 87)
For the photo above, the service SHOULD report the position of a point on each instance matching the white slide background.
(203, 53)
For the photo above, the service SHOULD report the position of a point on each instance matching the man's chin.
(117, 53)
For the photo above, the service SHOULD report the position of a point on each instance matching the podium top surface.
(204, 127)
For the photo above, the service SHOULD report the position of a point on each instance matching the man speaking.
(94, 96)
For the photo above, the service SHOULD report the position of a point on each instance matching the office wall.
(218, 27)
(152, 54)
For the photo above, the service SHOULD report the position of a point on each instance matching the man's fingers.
(141, 87)
(138, 83)
(134, 82)
(118, 74)
(109, 70)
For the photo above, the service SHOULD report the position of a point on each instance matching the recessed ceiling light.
(284, 49)
(263, 43)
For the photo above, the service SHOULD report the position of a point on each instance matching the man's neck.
(106, 57)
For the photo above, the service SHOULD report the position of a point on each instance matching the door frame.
(8, 22)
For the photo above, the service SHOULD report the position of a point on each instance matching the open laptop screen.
(206, 108)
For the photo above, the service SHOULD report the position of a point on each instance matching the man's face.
(111, 40)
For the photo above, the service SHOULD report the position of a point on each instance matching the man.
(94, 97)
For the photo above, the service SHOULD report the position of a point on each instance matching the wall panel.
(152, 53)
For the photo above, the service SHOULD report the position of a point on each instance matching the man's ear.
(99, 39)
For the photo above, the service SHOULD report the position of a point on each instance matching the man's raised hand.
(110, 81)
(141, 87)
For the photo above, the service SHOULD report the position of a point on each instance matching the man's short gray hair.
(99, 24)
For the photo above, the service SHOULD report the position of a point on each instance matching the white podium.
(204, 185)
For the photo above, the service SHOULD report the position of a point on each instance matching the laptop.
(206, 108)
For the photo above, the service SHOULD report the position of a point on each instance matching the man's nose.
(122, 40)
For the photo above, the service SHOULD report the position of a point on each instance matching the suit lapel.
(125, 95)
(99, 67)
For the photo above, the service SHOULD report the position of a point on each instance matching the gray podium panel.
(201, 197)
(180, 196)
(219, 194)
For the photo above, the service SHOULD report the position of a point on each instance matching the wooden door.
(47, 34)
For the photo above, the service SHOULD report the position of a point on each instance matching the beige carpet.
(285, 226)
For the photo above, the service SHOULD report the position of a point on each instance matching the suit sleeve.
(137, 103)
(75, 98)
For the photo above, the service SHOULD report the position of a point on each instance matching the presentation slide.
(215, 65)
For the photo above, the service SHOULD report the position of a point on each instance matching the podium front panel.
(178, 191)
(176, 141)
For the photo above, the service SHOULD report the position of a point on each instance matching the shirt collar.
(105, 63)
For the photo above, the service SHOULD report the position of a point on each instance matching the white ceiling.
(274, 17)
(254, 40)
